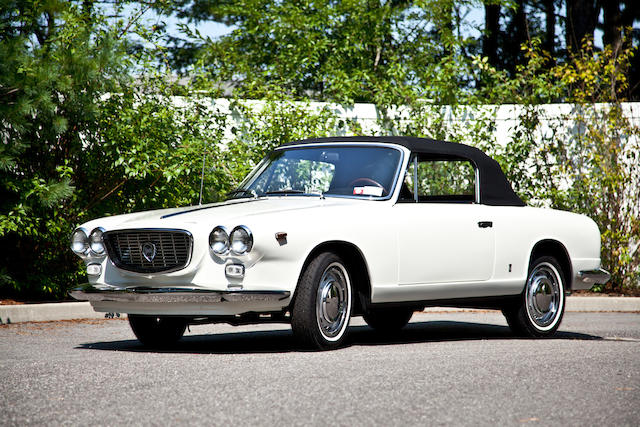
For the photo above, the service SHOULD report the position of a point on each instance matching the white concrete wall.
(505, 117)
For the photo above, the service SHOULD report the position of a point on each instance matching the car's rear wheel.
(540, 308)
(322, 308)
(157, 331)
(388, 319)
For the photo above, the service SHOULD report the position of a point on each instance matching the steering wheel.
(367, 181)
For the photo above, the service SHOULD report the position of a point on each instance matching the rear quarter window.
(440, 180)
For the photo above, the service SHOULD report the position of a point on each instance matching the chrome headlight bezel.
(96, 241)
(219, 241)
(241, 240)
(80, 242)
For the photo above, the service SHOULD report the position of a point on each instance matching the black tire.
(388, 319)
(540, 308)
(157, 331)
(323, 303)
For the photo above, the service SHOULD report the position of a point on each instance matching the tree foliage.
(594, 166)
(83, 138)
(57, 59)
(586, 156)
(384, 52)
(94, 122)
(368, 51)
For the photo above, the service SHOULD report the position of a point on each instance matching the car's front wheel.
(322, 308)
(539, 311)
(157, 331)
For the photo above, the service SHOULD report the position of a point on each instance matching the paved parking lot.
(445, 368)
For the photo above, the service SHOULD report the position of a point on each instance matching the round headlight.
(241, 240)
(219, 240)
(80, 242)
(96, 241)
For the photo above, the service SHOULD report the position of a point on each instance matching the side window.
(439, 180)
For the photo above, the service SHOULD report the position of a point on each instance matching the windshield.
(362, 171)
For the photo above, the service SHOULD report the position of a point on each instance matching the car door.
(443, 234)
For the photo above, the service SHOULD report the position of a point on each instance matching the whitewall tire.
(323, 303)
(540, 308)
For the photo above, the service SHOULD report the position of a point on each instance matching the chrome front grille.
(149, 250)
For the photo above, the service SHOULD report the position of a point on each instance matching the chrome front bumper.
(587, 278)
(174, 295)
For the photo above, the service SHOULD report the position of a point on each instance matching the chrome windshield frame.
(260, 167)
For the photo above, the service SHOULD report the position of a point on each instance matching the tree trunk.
(521, 25)
(550, 27)
(612, 23)
(517, 33)
(582, 17)
(491, 31)
(616, 20)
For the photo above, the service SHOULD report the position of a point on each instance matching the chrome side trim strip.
(174, 295)
(593, 277)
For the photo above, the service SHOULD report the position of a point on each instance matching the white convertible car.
(326, 229)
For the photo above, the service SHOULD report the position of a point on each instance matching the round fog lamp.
(94, 269)
(96, 241)
(79, 242)
(241, 240)
(219, 240)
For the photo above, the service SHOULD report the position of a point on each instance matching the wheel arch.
(554, 248)
(356, 265)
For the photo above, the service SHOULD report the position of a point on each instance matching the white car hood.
(214, 214)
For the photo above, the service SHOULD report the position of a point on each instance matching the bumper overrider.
(174, 295)
(588, 278)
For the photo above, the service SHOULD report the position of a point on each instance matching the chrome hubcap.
(333, 301)
(544, 294)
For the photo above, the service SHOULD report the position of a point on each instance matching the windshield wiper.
(243, 192)
(291, 191)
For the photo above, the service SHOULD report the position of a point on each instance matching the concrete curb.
(575, 303)
(579, 304)
(47, 312)
(83, 310)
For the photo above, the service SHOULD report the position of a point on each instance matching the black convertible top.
(495, 190)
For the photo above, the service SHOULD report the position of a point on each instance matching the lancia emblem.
(148, 251)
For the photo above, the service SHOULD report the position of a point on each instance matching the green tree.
(587, 159)
(82, 138)
(385, 52)
(600, 157)
(93, 121)
(57, 59)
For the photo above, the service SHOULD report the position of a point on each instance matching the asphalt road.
(444, 368)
